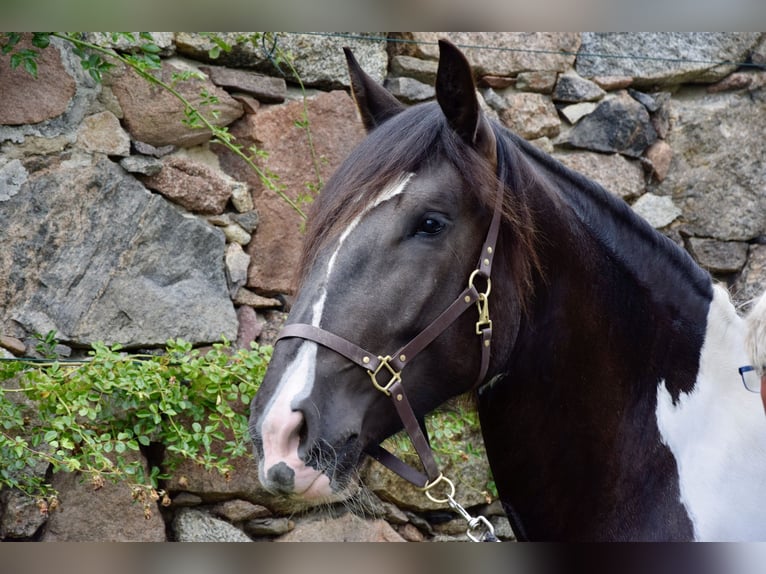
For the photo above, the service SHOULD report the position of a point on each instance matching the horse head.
(392, 241)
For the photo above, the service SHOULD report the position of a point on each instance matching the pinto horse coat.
(612, 409)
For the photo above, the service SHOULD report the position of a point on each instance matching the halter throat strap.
(385, 371)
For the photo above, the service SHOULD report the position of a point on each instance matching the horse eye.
(429, 225)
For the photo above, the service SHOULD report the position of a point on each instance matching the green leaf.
(151, 48)
(30, 66)
(41, 40)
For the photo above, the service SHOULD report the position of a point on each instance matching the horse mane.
(405, 143)
(420, 134)
(612, 220)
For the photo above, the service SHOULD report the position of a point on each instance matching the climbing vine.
(145, 60)
(86, 416)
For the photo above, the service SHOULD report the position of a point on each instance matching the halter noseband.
(392, 365)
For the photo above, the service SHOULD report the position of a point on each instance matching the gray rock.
(502, 528)
(235, 234)
(409, 90)
(619, 124)
(247, 297)
(247, 220)
(494, 100)
(571, 88)
(347, 528)
(716, 175)
(661, 118)
(102, 133)
(124, 43)
(237, 262)
(89, 253)
(758, 54)
(141, 165)
(260, 527)
(20, 516)
(422, 70)
(148, 149)
(540, 82)
(266, 89)
(752, 281)
(241, 198)
(617, 174)
(12, 176)
(517, 51)
(240, 510)
(530, 115)
(191, 525)
(649, 102)
(576, 112)
(186, 499)
(664, 57)
(321, 62)
(719, 256)
(659, 211)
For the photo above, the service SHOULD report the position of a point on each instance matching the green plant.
(46, 344)
(87, 416)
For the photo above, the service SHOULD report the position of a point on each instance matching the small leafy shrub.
(86, 416)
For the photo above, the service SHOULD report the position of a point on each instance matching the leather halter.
(392, 365)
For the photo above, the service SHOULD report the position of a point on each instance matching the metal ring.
(479, 272)
(441, 478)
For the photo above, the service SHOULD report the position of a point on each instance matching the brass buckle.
(396, 376)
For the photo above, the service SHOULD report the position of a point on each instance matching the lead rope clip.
(480, 529)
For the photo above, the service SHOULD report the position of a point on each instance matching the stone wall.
(119, 223)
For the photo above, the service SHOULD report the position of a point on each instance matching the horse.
(605, 374)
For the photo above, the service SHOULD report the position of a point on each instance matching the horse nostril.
(281, 478)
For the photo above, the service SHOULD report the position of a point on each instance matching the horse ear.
(456, 94)
(375, 103)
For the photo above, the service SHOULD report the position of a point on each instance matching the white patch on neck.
(717, 434)
(281, 424)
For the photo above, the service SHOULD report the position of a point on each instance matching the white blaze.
(281, 424)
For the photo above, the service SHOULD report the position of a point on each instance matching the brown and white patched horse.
(609, 394)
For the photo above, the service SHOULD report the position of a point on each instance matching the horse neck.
(617, 309)
(609, 279)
